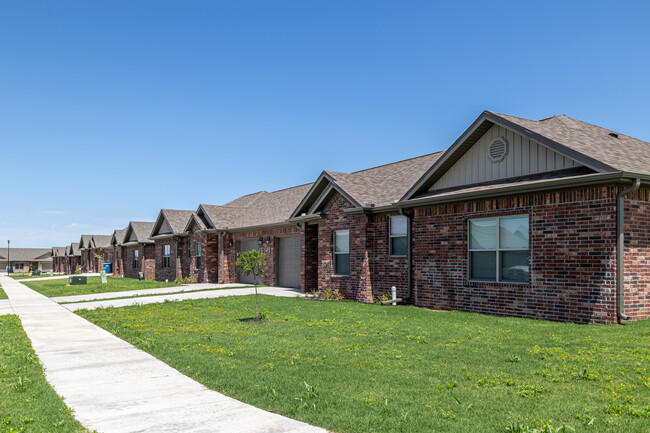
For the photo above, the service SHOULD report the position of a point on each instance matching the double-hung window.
(166, 255)
(198, 254)
(136, 259)
(342, 252)
(499, 249)
(397, 235)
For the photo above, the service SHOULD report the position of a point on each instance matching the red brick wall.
(357, 285)
(572, 257)
(171, 273)
(637, 254)
(269, 277)
(309, 258)
(118, 261)
(386, 270)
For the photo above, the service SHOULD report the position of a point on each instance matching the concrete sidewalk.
(158, 291)
(57, 277)
(5, 307)
(114, 387)
(273, 291)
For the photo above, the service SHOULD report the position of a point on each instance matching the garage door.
(289, 262)
(243, 246)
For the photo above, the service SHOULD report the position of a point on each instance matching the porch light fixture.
(230, 243)
(260, 241)
(268, 240)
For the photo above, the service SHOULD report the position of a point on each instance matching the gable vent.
(498, 149)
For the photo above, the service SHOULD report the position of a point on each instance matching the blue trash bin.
(107, 267)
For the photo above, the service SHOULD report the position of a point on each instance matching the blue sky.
(111, 110)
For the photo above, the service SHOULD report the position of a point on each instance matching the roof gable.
(171, 222)
(521, 157)
(551, 136)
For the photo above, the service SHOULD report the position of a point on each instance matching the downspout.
(409, 255)
(620, 250)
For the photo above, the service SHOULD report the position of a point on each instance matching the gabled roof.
(102, 241)
(118, 237)
(599, 149)
(246, 200)
(271, 208)
(73, 249)
(170, 222)
(86, 242)
(58, 251)
(26, 254)
(138, 232)
(219, 217)
(373, 187)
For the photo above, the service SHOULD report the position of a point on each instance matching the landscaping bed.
(59, 287)
(352, 367)
(27, 402)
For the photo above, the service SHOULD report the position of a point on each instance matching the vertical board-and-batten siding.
(524, 157)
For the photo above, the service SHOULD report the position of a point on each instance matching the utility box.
(36, 273)
(76, 280)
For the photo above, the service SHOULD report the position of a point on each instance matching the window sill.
(500, 283)
(340, 275)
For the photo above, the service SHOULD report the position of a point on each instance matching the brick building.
(73, 258)
(544, 219)
(59, 259)
(138, 251)
(170, 252)
(117, 241)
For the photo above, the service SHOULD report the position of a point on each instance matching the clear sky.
(111, 110)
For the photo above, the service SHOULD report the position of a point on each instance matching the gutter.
(620, 250)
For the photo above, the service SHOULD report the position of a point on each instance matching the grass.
(27, 402)
(3, 295)
(156, 294)
(26, 276)
(53, 288)
(353, 367)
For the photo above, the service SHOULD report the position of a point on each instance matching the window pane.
(398, 246)
(342, 241)
(514, 266)
(514, 232)
(398, 225)
(198, 250)
(482, 234)
(483, 265)
(342, 264)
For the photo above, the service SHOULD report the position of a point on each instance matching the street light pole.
(8, 257)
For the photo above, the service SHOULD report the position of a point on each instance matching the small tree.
(252, 262)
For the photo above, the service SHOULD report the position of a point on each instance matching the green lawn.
(353, 367)
(158, 294)
(27, 402)
(53, 288)
(28, 277)
(3, 295)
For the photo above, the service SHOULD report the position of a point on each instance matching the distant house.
(22, 260)
(59, 259)
(139, 251)
(73, 258)
(117, 241)
(169, 236)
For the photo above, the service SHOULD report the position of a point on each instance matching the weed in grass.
(514, 358)
(21, 384)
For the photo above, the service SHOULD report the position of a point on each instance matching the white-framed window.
(499, 248)
(166, 255)
(342, 252)
(397, 235)
(198, 254)
(136, 259)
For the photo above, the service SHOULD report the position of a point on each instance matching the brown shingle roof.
(118, 236)
(73, 249)
(381, 186)
(272, 208)
(246, 200)
(622, 153)
(221, 217)
(58, 251)
(102, 241)
(177, 219)
(86, 241)
(142, 231)
(27, 254)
